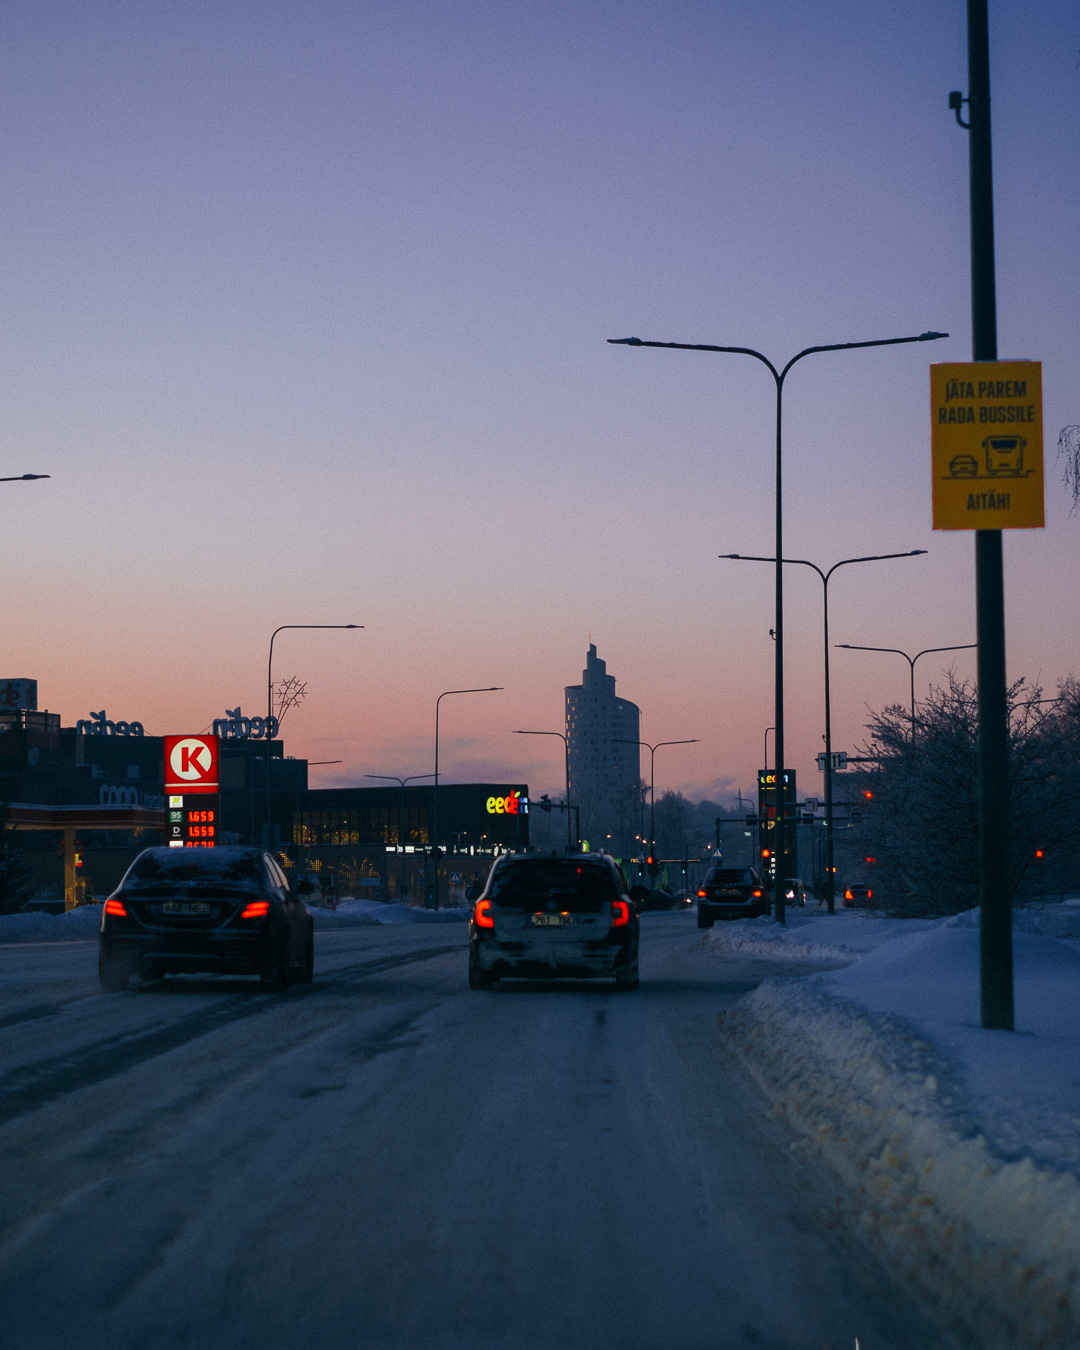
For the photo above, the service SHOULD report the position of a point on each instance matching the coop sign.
(514, 804)
(97, 724)
(234, 726)
(986, 445)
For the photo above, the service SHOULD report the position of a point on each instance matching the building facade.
(602, 732)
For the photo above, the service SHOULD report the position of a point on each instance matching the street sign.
(191, 764)
(986, 445)
(839, 761)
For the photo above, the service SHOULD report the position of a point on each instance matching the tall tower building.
(605, 772)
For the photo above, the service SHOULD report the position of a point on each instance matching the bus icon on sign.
(1004, 456)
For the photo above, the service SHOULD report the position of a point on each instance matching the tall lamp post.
(652, 749)
(962, 647)
(270, 701)
(779, 377)
(566, 752)
(393, 778)
(488, 689)
(830, 869)
(25, 477)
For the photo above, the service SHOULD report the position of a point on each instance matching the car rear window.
(532, 884)
(730, 876)
(194, 867)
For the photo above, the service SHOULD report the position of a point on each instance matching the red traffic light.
(868, 794)
(765, 853)
(1038, 853)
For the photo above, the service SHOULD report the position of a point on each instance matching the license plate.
(729, 892)
(551, 920)
(185, 907)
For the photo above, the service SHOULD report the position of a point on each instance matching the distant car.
(731, 893)
(553, 917)
(224, 910)
(857, 897)
(795, 892)
(649, 898)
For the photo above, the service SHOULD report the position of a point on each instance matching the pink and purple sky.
(305, 308)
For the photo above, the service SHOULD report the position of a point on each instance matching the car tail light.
(701, 893)
(258, 909)
(848, 895)
(869, 893)
(757, 895)
(620, 913)
(483, 915)
(116, 907)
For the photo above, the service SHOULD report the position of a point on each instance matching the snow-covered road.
(384, 1159)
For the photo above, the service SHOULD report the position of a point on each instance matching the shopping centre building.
(81, 801)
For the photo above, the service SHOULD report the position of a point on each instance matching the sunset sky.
(305, 307)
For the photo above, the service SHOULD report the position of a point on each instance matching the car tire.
(704, 920)
(627, 979)
(114, 971)
(478, 979)
(307, 971)
(276, 975)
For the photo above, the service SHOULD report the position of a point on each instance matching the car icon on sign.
(963, 466)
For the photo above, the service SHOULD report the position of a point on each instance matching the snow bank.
(364, 913)
(810, 935)
(77, 925)
(958, 1145)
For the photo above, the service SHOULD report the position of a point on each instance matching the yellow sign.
(986, 445)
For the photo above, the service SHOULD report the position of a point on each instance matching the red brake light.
(483, 915)
(701, 892)
(869, 893)
(258, 909)
(621, 912)
(115, 907)
(757, 895)
(848, 895)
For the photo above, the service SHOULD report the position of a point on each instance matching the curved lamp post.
(830, 870)
(270, 699)
(963, 647)
(393, 778)
(779, 377)
(566, 752)
(652, 749)
(488, 689)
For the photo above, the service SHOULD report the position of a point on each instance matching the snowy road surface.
(384, 1159)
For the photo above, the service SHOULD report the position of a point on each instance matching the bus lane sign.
(986, 445)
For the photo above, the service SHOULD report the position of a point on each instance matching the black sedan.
(224, 910)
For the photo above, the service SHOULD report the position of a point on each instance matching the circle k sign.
(191, 764)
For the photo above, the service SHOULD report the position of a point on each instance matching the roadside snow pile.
(959, 1145)
(77, 925)
(364, 913)
(810, 935)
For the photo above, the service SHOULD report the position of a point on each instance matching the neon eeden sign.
(513, 805)
(234, 726)
(97, 724)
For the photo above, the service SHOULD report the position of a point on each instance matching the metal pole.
(830, 870)
(566, 752)
(270, 701)
(779, 895)
(489, 689)
(652, 812)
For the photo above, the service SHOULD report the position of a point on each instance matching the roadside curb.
(994, 1244)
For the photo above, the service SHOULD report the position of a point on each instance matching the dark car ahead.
(731, 893)
(553, 917)
(224, 910)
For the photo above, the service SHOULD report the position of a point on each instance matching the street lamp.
(830, 871)
(962, 647)
(489, 689)
(566, 750)
(25, 477)
(270, 700)
(392, 778)
(778, 378)
(652, 749)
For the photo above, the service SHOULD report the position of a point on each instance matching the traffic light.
(545, 802)
(766, 853)
(1038, 853)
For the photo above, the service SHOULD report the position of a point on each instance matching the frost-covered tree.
(920, 823)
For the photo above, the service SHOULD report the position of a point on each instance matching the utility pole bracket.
(956, 102)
